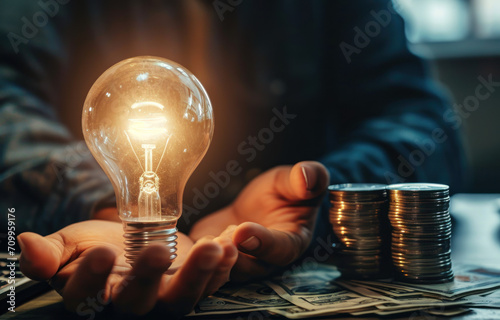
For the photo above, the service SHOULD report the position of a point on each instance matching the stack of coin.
(421, 232)
(358, 215)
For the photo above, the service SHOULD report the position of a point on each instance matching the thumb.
(40, 257)
(305, 180)
(272, 246)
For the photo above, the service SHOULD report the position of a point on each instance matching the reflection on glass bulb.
(148, 122)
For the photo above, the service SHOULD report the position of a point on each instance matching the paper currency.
(253, 294)
(469, 279)
(392, 292)
(481, 301)
(240, 298)
(314, 289)
(318, 291)
(215, 306)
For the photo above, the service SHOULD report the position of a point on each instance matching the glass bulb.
(148, 122)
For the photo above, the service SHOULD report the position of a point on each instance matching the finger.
(228, 232)
(40, 257)
(270, 245)
(223, 270)
(138, 293)
(249, 268)
(305, 180)
(187, 286)
(89, 279)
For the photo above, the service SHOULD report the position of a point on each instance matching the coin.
(358, 214)
(421, 232)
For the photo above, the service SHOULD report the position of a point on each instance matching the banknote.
(314, 289)
(376, 311)
(318, 291)
(398, 304)
(482, 301)
(252, 294)
(238, 298)
(402, 303)
(384, 289)
(216, 306)
(364, 290)
(448, 312)
(469, 279)
(301, 313)
(423, 312)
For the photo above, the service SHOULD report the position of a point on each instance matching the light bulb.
(148, 122)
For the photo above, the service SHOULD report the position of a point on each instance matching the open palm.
(85, 263)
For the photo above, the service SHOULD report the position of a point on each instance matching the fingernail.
(229, 230)
(251, 243)
(206, 238)
(306, 178)
(21, 244)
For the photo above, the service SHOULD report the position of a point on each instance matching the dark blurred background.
(461, 40)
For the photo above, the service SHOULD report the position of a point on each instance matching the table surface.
(476, 239)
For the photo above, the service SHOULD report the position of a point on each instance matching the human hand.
(85, 263)
(272, 220)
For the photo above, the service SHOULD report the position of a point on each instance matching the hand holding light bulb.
(148, 165)
(278, 208)
(148, 121)
(85, 263)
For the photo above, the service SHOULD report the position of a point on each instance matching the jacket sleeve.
(391, 113)
(50, 179)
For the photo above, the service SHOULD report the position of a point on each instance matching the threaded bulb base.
(140, 234)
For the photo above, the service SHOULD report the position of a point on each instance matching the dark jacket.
(289, 81)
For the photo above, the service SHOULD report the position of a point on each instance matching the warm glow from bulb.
(150, 127)
(148, 122)
(147, 129)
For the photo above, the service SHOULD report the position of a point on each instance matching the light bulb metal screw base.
(140, 234)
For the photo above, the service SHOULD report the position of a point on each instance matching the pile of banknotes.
(318, 290)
